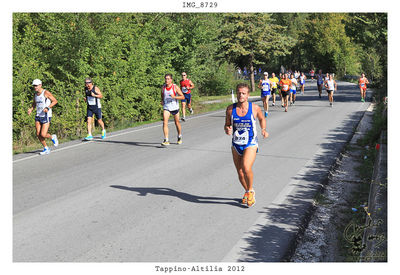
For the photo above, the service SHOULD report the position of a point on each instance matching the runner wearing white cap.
(43, 101)
(265, 86)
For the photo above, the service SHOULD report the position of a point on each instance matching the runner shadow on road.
(144, 191)
(134, 143)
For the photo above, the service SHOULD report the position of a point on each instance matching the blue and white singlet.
(265, 88)
(244, 130)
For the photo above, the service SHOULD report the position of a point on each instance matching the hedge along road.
(126, 198)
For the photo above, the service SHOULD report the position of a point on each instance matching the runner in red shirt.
(312, 74)
(186, 86)
(362, 82)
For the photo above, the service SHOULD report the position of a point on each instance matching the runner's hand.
(228, 130)
(264, 133)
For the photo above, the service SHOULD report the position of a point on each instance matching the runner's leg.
(178, 124)
(237, 160)
(166, 115)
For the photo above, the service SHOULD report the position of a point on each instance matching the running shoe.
(265, 114)
(273, 104)
(179, 140)
(245, 197)
(251, 200)
(362, 100)
(183, 118)
(45, 151)
(191, 111)
(331, 104)
(89, 137)
(103, 134)
(165, 142)
(54, 139)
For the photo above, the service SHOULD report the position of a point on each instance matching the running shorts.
(174, 112)
(43, 120)
(92, 109)
(188, 98)
(265, 93)
(240, 148)
(293, 91)
(274, 90)
(285, 93)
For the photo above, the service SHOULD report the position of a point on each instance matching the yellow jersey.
(274, 82)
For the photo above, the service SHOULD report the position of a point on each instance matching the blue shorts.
(43, 120)
(265, 93)
(93, 110)
(293, 91)
(240, 148)
(188, 98)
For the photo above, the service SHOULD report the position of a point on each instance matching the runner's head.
(37, 84)
(265, 75)
(184, 75)
(88, 82)
(242, 92)
(362, 75)
(168, 79)
(273, 74)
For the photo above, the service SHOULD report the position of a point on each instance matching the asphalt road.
(127, 199)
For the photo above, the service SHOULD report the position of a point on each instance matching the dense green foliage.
(127, 55)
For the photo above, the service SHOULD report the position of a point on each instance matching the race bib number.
(265, 87)
(184, 90)
(91, 100)
(241, 139)
(285, 87)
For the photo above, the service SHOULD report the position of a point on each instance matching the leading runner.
(240, 122)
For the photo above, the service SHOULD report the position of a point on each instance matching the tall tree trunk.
(252, 83)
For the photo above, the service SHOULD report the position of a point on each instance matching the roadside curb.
(375, 233)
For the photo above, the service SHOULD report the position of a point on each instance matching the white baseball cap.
(36, 82)
(265, 73)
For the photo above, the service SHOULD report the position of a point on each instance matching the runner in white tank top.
(330, 86)
(170, 94)
(43, 101)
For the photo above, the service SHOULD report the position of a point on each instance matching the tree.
(250, 39)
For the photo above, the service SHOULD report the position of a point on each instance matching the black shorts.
(320, 87)
(174, 112)
(92, 109)
(329, 91)
(273, 90)
(285, 93)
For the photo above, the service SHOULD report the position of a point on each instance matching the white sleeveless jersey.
(170, 104)
(265, 85)
(331, 85)
(294, 83)
(41, 103)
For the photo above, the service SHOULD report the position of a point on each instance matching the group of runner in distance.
(240, 119)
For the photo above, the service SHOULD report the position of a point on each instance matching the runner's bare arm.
(261, 119)
(32, 107)
(228, 122)
(98, 93)
(179, 92)
(191, 85)
(51, 97)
